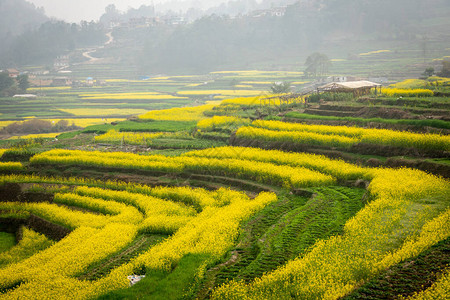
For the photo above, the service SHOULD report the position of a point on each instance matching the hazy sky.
(77, 10)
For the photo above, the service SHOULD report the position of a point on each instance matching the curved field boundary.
(342, 136)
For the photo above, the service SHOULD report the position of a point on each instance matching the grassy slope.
(286, 229)
(407, 277)
(7, 240)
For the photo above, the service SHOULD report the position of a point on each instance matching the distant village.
(57, 77)
(174, 19)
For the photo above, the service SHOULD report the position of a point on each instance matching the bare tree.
(317, 64)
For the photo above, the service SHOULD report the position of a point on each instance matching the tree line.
(11, 86)
(222, 42)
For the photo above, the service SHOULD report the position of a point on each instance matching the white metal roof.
(349, 85)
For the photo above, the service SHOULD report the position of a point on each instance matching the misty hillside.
(263, 38)
(218, 42)
(29, 37)
(17, 16)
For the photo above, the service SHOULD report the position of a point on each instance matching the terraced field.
(248, 198)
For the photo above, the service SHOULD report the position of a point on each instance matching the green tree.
(6, 83)
(428, 72)
(317, 64)
(445, 72)
(23, 83)
(280, 87)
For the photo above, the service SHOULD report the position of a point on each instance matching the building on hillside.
(89, 81)
(271, 12)
(61, 62)
(13, 73)
(358, 88)
(27, 96)
(143, 22)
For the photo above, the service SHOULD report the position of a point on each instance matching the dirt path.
(89, 51)
(87, 54)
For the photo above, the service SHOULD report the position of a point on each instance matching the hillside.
(253, 196)
(18, 16)
(396, 39)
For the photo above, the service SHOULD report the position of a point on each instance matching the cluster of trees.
(445, 70)
(37, 126)
(317, 64)
(191, 10)
(51, 39)
(29, 37)
(220, 42)
(11, 86)
(18, 16)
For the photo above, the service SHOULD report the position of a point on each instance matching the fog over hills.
(77, 10)
(201, 36)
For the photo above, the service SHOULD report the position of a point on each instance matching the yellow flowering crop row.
(297, 137)
(196, 197)
(78, 122)
(134, 96)
(397, 92)
(49, 273)
(36, 135)
(48, 88)
(181, 200)
(251, 73)
(61, 215)
(194, 84)
(5, 123)
(17, 178)
(220, 121)
(10, 166)
(164, 223)
(260, 171)
(392, 227)
(257, 82)
(354, 134)
(134, 138)
(31, 243)
(178, 114)
(103, 112)
(409, 84)
(410, 212)
(262, 100)
(117, 212)
(374, 52)
(221, 92)
(147, 204)
(115, 94)
(109, 159)
(68, 257)
(323, 164)
(438, 290)
(212, 231)
(436, 80)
